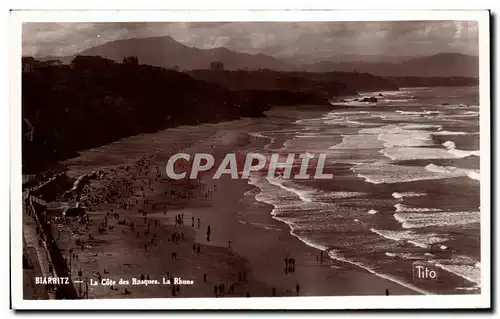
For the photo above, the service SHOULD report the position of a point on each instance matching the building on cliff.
(217, 66)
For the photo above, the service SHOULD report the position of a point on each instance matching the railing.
(54, 255)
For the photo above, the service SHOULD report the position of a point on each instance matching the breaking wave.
(452, 171)
(417, 239)
(407, 194)
(420, 220)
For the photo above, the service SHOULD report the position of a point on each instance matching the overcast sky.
(282, 39)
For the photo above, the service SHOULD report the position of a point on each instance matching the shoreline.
(331, 278)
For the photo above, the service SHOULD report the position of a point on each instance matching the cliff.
(95, 101)
(328, 84)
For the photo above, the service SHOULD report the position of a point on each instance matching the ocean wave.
(463, 115)
(420, 220)
(398, 135)
(451, 133)
(352, 103)
(252, 192)
(372, 212)
(407, 194)
(407, 256)
(421, 240)
(452, 171)
(260, 135)
(415, 153)
(334, 255)
(468, 288)
(471, 113)
(308, 194)
(381, 172)
(305, 240)
(405, 208)
(349, 113)
(405, 142)
(359, 142)
(416, 126)
(424, 112)
(450, 146)
(471, 273)
(302, 194)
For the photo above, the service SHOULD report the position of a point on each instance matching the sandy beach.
(242, 258)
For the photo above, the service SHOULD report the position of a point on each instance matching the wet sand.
(255, 261)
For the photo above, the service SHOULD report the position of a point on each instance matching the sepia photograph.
(215, 160)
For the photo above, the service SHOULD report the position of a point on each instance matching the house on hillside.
(131, 60)
(217, 66)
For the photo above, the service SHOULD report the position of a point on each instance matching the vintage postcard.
(250, 160)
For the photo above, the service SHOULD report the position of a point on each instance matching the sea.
(405, 187)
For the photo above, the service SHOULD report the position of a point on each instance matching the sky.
(310, 40)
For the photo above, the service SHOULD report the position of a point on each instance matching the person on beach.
(229, 244)
(297, 289)
(198, 223)
(205, 277)
(215, 290)
(387, 292)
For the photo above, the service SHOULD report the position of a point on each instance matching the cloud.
(316, 40)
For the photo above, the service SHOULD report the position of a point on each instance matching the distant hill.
(168, 53)
(439, 65)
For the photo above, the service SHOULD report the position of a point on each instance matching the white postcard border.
(341, 302)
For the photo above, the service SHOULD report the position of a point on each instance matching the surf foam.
(420, 220)
(421, 240)
(452, 171)
(407, 194)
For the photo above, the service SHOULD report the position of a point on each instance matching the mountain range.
(168, 53)
(439, 65)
